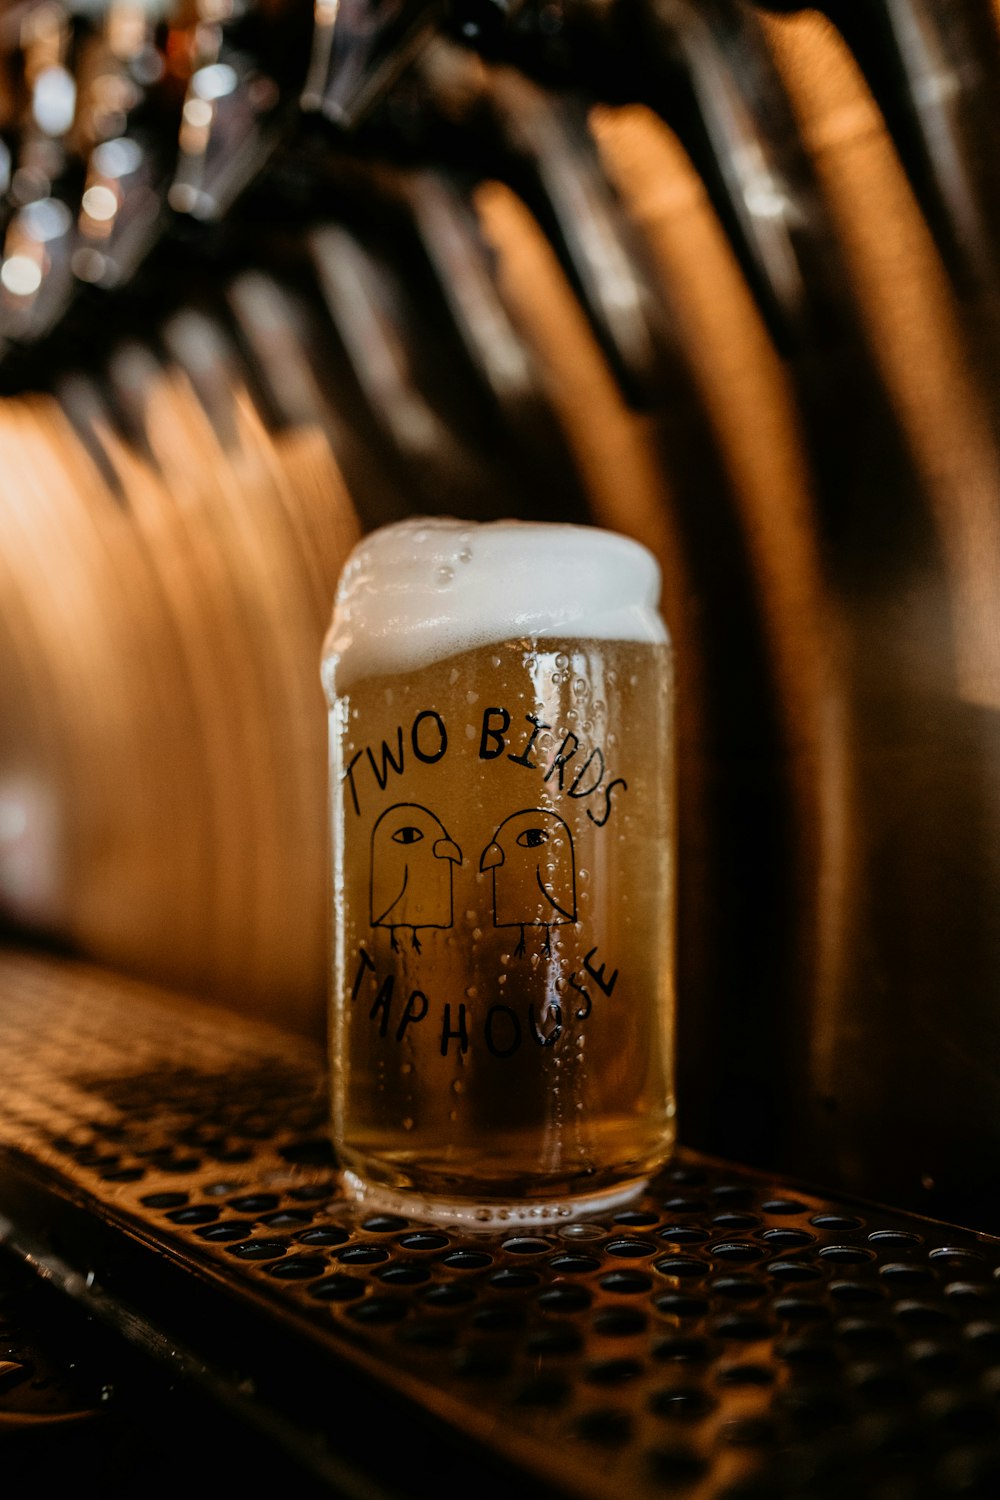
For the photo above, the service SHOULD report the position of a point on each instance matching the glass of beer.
(501, 744)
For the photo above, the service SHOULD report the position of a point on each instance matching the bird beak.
(445, 849)
(492, 856)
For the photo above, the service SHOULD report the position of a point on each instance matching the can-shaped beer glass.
(502, 792)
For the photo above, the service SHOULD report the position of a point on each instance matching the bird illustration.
(411, 870)
(534, 873)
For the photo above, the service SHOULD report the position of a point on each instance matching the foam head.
(427, 588)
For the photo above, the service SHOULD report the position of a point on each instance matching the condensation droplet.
(457, 1086)
(407, 1123)
(471, 697)
(453, 676)
(406, 1067)
(495, 661)
(471, 992)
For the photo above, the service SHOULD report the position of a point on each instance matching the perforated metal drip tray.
(168, 1167)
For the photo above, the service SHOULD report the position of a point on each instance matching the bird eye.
(532, 837)
(407, 835)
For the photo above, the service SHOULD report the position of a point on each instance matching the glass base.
(486, 1213)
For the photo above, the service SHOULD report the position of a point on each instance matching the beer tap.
(244, 74)
(484, 120)
(934, 70)
(450, 341)
(35, 275)
(297, 385)
(128, 112)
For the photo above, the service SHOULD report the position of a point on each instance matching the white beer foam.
(429, 587)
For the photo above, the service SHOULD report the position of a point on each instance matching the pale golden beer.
(502, 1002)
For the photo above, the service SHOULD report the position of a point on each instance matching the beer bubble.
(562, 660)
(584, 874)
(580, 685)
(453, 1115)
(407, 1122)
(465, 556)
(495, 661)
(406, 1067)
(582, 1231)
